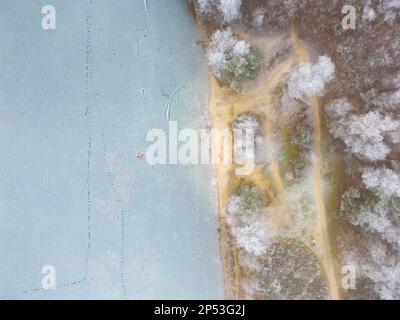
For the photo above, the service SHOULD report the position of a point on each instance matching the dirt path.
(323, 232)
(224, 106)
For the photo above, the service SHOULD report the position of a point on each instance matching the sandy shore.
(224, 106)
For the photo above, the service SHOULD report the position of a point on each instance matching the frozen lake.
(75, 106)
